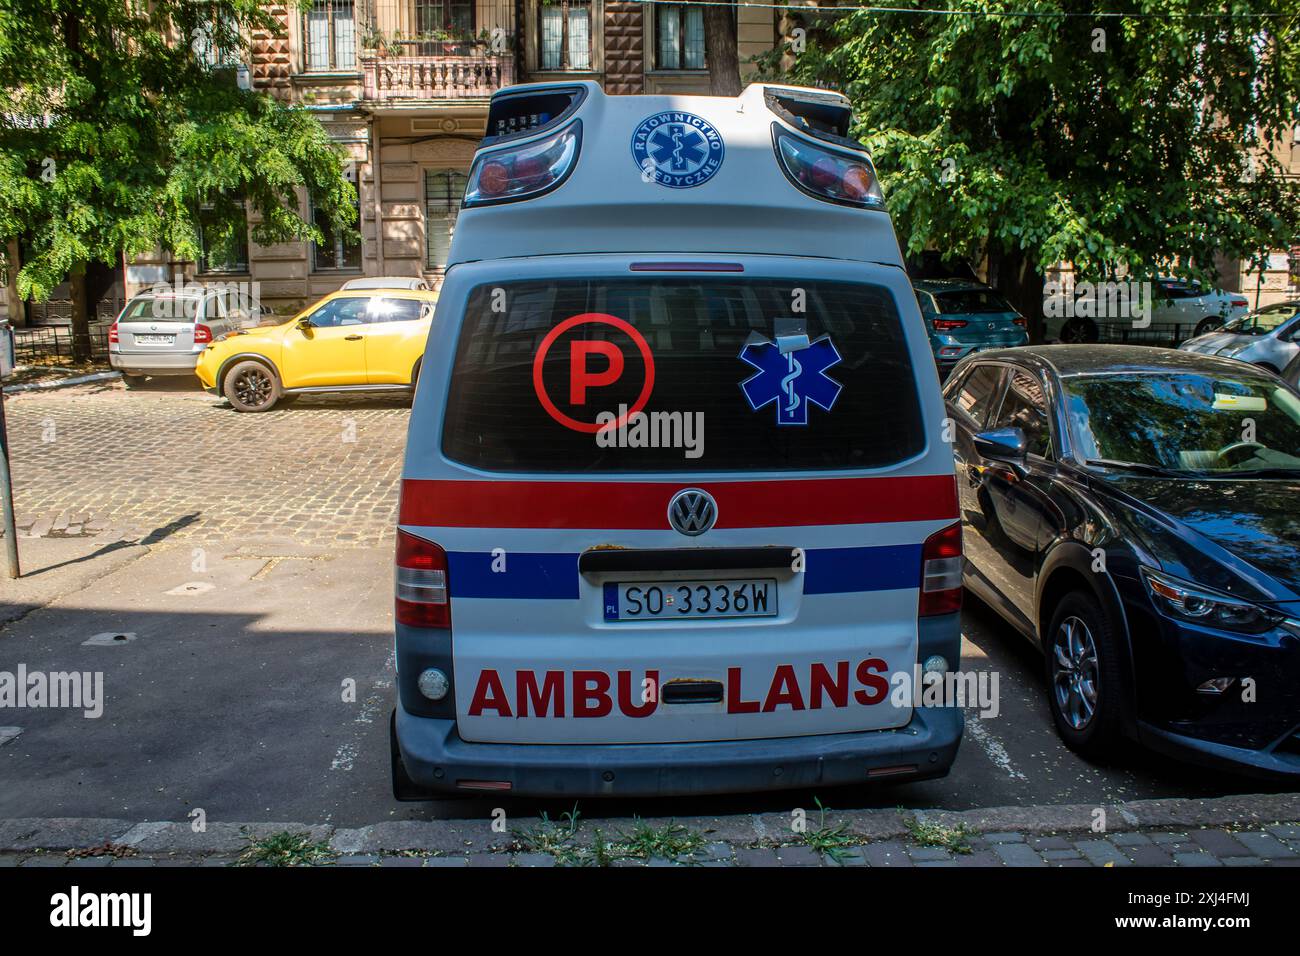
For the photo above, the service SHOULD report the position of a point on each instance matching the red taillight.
(1239, 304)
(421, 589)
(941, 572)
(494, 179)
(112, 334)
(947, 325)
(202, 334)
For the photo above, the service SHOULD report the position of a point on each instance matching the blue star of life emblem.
(793, 380)
(677, 149)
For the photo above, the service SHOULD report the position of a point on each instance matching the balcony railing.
(397, 78)
(415, 50)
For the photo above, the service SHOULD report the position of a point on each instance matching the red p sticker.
(580, 375)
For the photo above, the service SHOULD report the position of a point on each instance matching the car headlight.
(1188, 602)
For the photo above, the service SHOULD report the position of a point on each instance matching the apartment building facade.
(403, 86)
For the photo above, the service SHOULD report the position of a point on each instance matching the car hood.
(1255, 520)
(1220, 343)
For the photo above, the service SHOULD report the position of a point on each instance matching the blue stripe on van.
(542, 576)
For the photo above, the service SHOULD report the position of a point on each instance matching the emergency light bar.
(525, 170)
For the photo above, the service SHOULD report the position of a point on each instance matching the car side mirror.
(304, 324)
(1007, 445)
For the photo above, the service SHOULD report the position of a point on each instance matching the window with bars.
(679, 37)
(443, 191)
(215, 42)
(338, 251)
(330, 32)
(444, 19)
(565, 42)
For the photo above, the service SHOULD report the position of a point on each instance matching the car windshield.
(1263, 321)
(967, 301)
(1185, 421)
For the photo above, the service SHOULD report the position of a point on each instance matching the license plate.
(154, 339)
(695, 600)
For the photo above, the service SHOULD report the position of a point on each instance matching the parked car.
(581, 609)
(386, 282)
(1132, 511)
(964, 317)
(1269, 338)
(348, 341)
(1175, 305)
(164, 332)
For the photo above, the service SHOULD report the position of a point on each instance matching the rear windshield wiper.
(1129, 466)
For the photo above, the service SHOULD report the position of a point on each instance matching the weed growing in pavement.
(833, 842)
(559, 839)
(285, 849)
(955, 839)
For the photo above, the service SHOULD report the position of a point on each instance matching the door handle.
(352, 338)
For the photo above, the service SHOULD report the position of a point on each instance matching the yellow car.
(357, 340)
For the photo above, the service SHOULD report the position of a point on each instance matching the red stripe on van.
(643, 505)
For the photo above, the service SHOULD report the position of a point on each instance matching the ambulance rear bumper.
(437, 760)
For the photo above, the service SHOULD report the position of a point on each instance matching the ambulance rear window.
(681, 374)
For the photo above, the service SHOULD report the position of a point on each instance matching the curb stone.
(1252, 812)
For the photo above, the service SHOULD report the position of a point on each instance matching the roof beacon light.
(523, 171)
(828, 174)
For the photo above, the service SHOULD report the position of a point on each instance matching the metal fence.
(51, 344)
(1167, 334)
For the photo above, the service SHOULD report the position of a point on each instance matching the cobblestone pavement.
(152, 463)
(1274, 845)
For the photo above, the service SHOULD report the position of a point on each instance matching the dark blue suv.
(1133, 511)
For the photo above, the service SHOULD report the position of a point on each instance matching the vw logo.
(692, 511)
(990, 326)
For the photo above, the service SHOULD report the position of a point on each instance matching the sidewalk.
(1257, 830)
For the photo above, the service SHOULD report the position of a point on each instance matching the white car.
(386, 282)
(676, 511)
(1178, 311)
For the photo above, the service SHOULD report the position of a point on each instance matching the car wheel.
(1084, 683)
(1206, 326)
(1079, 331)
(251, 387)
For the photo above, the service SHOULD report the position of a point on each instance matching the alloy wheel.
(1074, 678)
(253, 387)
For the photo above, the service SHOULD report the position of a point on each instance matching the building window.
(443, 191)
(679, 37)
(220, 249)
(566, 35)
(337, 252)
(330, 29)
(444, 19)
(216, 42)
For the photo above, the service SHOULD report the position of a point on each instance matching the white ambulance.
(677, 511)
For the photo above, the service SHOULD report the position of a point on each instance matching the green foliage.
(1040, 140)
(115, 134)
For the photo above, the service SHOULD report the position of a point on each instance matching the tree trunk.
(80, 313)
(1020, 279)
(17, 307)
(720, 50)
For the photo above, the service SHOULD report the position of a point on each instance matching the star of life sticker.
(791, 373)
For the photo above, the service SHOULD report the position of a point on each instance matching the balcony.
(392, 79)
(413, 51)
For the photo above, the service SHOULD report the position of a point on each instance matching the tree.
(1136, 142)
(721, 52)
(119, 126)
